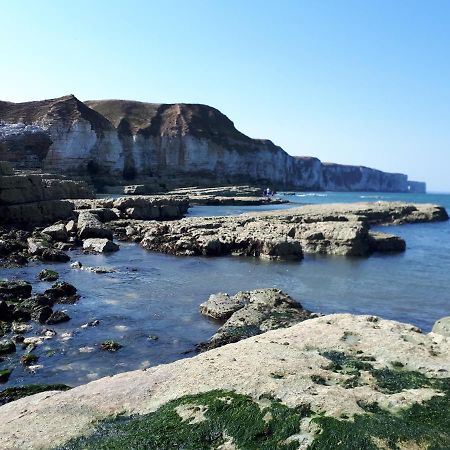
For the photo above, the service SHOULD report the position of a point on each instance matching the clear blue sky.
(359, 82)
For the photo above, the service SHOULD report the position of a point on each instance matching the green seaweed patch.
(388, 381)
(227, 417)
(422, 426)
(391, 381)
(14, 393)
(4, 375)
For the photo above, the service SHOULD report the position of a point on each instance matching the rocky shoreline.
(328, 377)
(329, 367)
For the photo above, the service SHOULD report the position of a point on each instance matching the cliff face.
(128, 138)
(338, 177)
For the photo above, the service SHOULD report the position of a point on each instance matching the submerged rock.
(57, 317)
(7, 346)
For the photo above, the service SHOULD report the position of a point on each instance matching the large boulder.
(89, 226)
(99, 245)
(57, 232)
(17, 289)
(249, 313)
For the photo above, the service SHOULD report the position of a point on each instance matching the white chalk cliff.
(129, 138)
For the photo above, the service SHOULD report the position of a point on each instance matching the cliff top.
(43, 112)
(153, 119)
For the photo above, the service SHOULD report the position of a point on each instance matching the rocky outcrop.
(442, 326)
(182, 144)
(325, 381)
(340, 229)
(249, 313)
(38, 199)
(143, 207)
(417, 187)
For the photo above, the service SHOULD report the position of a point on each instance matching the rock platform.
(328, 373)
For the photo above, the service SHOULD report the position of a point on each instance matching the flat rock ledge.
(249, 313)
(319, 375)
(339, 229)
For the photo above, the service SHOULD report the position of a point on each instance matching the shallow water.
(158, 295)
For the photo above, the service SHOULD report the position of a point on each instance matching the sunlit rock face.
(126, 139)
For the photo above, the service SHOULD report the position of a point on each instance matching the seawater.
(152, 294)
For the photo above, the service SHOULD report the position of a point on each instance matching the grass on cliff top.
(230, 417)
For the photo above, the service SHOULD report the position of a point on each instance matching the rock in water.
(249, 313)
(89, 226)
(100, 246)
(48, 275)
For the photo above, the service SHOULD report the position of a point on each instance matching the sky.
(352, 82)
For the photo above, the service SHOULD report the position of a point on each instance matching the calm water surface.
(152, 294)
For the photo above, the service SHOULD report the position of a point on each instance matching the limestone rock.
(251, 313)
(96, 245)
(290, 365)
(57, 232)
(442, 326)
(89, 226)
(340, 229)
(221, 306)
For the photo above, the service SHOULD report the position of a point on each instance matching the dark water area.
(152, 294)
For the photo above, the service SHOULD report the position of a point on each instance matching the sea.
(150, 303)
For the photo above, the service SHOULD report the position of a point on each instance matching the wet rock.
(29, 359)
(383, 242)
(42, 314)
(7, 346)
(100, 270)
(442, 326)
(61, 290)
(12, 290)
(21, 328)
(57, 232)
(89, 226)
(5, 312)
(41, 248)
(92, 323)
(57, 317)
(99, 245)
(4, 375)
(221, 306)
(251, 313)
(48, 275)
(110, 346)
(76, 265)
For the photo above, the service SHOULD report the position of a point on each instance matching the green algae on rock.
(14, 393)
(215, 419)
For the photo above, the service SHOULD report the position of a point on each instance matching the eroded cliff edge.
(190, 141)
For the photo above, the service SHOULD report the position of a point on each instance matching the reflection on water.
(150, 303)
